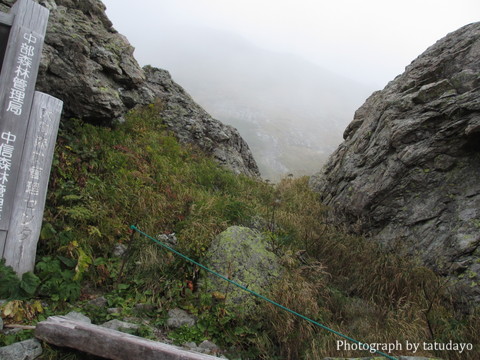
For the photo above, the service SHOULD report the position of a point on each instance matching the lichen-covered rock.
(91, 67)
(85, 62)
(241, 255)
(409, 168)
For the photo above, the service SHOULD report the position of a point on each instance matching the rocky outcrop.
(408, 171)
(90, 66)
(192, 124)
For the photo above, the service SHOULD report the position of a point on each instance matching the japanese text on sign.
(6, 154)
(22, 74)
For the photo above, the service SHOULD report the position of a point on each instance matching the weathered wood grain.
(107, 343)
(31, 15)
(30, 196)
(24, 47)
(17, 86)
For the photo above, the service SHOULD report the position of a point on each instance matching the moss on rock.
(241, 254)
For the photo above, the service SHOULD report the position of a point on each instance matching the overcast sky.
(370, 41)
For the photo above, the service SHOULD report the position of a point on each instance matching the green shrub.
(14, 288)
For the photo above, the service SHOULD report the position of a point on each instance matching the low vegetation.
(106, 179)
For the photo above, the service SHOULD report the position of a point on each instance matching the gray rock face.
(24, 350)
(242, 255)
(409, 168)
(90, 66)
(85, 62)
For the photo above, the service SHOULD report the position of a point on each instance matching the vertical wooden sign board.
(28, 131)
(17, 85)
(31, 192)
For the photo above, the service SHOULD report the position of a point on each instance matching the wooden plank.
(107, 343)
(30, 196)
(17, 86)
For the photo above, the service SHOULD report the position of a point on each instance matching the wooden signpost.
(28, 129)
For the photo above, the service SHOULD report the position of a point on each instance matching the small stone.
(76, 316)
(116, 310)
(144, 308)
(168, 239)
(178, 318)
(190, 345)
(1, 324)
(99, 302)
(208, 347)
(119, 250)
(24, 350)
(11, 331)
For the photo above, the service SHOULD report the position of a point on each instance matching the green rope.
(361, 345)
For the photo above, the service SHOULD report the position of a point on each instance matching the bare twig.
(23, 327)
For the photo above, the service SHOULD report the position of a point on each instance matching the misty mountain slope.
(291, 112)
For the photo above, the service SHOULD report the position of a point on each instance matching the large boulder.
(408, 171)
(243, 256)
(91, 67)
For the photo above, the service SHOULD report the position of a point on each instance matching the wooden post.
(17, 86)
(28, 129)
(31, 192)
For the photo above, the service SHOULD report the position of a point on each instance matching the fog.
(291, 112)
(288, 74)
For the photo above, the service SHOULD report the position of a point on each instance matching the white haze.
(288, 74)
